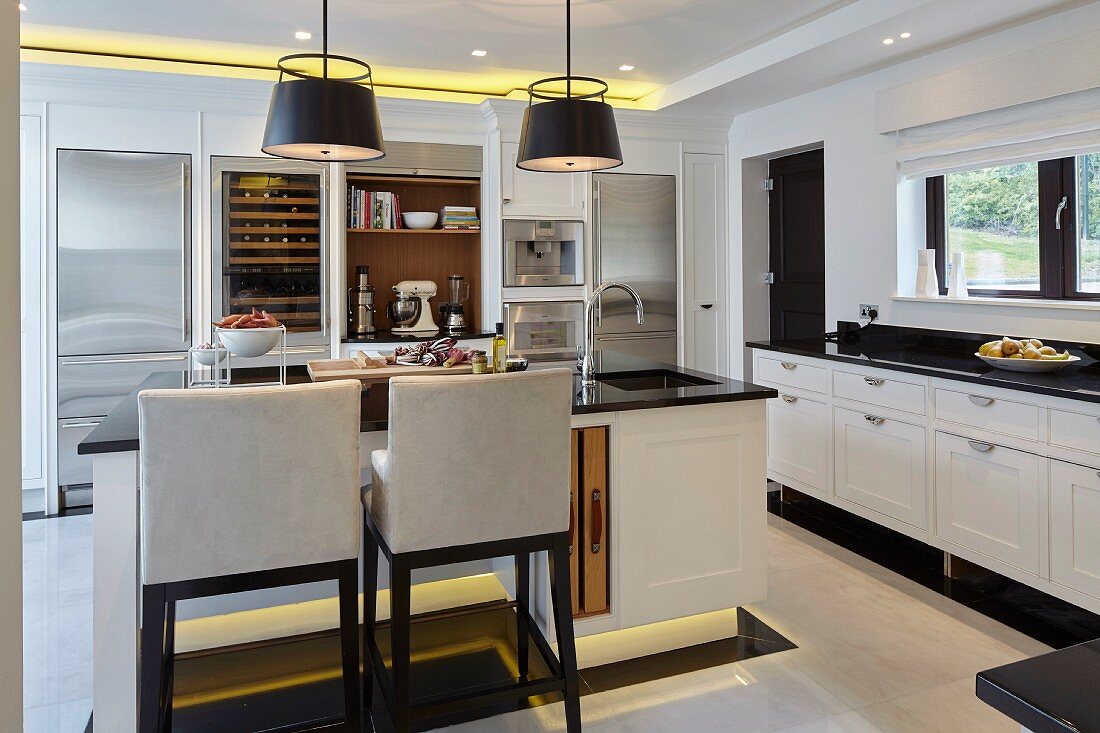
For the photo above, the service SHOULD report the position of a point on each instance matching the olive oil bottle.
(500, 350)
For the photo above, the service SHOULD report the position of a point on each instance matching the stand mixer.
(410, 312)
(453, 312)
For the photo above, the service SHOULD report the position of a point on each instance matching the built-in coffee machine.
(361, 304)
(453, 312)
(543, 253)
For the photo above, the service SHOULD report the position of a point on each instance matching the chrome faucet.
(586, 361)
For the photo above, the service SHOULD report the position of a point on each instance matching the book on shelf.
(373, 209)
(459, 217)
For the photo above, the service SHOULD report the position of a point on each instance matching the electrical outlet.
(865, 310)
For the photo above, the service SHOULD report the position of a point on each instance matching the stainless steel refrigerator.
(634, 227)
(123, 288)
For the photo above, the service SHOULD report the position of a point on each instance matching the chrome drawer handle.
(980, 401)
(980, 446)
(788, 365)
(789, 399)
(874, 381)
(874, 419)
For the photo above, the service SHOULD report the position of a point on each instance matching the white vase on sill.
(956, 276)
(928, 283)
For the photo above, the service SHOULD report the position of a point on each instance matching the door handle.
(185, 255)
(597, 520)
(633, 338)
(706, 306)
(874, 381)
(874, 419)
(980, 446)
(788, 365)
(1058, 212)
(136, 360)
(572, 526)
(789, 399)
(980, 401)
(73, 425)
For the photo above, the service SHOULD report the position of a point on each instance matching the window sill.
(1075, 305)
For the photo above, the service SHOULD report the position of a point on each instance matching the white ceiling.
(705, 56)
(664, 39)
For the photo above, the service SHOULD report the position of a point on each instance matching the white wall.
(11, 532)
(874, 222)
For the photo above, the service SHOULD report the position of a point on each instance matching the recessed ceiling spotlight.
(479, 53)
(626, 67)
(303, 35)
(887, 41)
(22, 8)
(905, 35)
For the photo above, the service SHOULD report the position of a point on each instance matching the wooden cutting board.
(370, 371)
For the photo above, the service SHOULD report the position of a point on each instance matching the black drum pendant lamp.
(323, 117)
(575, 132)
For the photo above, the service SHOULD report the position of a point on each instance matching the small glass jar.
(479, 361)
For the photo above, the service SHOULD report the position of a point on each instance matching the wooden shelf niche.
(408, 254)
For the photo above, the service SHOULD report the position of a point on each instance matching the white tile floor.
(877, 653)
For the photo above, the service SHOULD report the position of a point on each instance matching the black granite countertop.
(383, 336)
(949, 355)
(119, 430)
(1051, 693)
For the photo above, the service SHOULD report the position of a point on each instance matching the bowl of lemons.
(1024, 355)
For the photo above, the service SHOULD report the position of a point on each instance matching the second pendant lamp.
(323, 117)
(570, 133)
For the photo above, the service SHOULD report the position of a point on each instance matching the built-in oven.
(544, 330)
(543, 253)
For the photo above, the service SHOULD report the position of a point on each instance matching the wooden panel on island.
(410, 254)
(590, 561)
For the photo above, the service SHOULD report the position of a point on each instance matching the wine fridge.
(268, 243)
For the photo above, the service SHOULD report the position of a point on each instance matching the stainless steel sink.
(652, 379)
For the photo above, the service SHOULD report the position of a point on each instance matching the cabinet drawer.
(798, 440)
(881, 464)
(791, 374)
(991, 499)
(978, 410)
(886, 392)
(1075, 527)
(1075, 430)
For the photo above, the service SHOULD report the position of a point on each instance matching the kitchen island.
(673, 459)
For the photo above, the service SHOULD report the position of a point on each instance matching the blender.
(452, 313)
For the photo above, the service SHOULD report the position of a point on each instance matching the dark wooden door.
(797, 233)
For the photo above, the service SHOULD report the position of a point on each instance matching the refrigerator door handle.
(639, 337)
(185, 253)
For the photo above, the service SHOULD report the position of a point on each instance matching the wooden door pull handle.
(572, 526)
(597, 520)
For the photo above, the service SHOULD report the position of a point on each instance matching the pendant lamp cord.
(324, 38)
(568, 49)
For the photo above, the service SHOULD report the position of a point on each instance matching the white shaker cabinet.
(705, 328)
(992, 500)
(533, 194)
(798, 442)
(881, 464)
(1075, 527)
(692, 510)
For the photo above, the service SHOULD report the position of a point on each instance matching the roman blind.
(1061, 126)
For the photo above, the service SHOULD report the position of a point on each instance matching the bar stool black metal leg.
(523, 602)
(349, 644)
(401, 649)
(152, 658)
(169, 660)
(370, 613)
(563, 623)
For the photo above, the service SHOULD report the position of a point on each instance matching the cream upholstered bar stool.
(477, 467)
(241, 489)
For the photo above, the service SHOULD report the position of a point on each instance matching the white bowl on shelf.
(1034, 366)
(208, 357)
(420, 219)
(250, 342)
